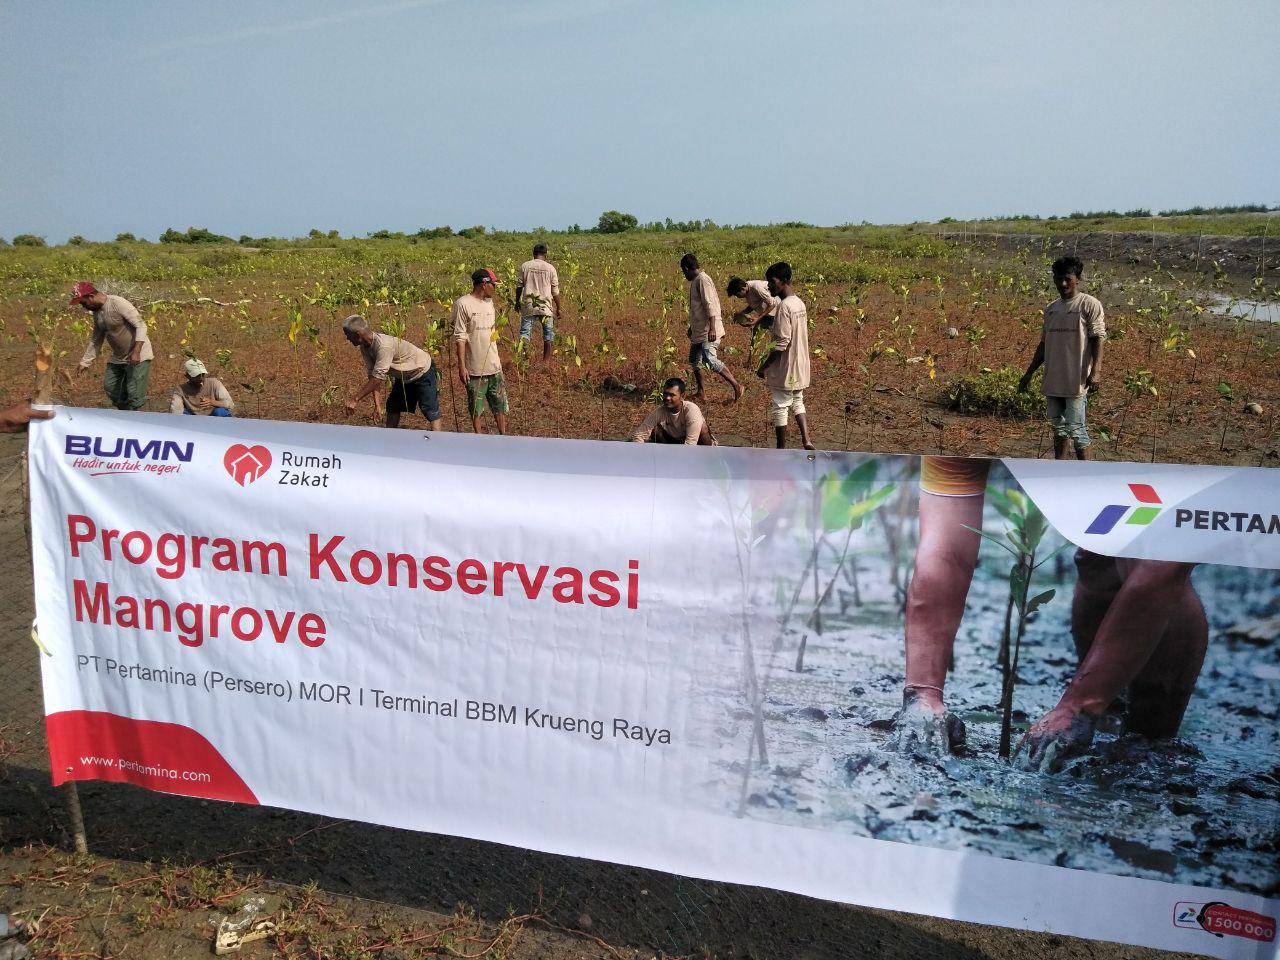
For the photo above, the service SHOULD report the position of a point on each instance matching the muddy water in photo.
(1200, 809)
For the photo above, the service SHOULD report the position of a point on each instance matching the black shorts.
(422, 395)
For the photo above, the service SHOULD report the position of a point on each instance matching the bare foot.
(1055, 738)
(925, 729)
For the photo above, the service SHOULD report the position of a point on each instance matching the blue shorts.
(215, 412)
(548, 327)
(705, 355)
(421, 394)
(1066, 416)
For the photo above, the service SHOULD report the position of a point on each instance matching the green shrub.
(28, 240)
(76, 241)
(993, 393)
(126, 238)
(615, 221)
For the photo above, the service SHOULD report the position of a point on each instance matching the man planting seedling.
(674, 420)
(760, 303)
(538, 298)
(1138, 626)
(396, 365)
(475, 335)
(706, 327)
(786, 368)
(1070, 350)
(117, 322)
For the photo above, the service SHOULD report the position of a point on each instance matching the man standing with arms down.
(705, 327)
(675, 420)
(117, 321)
(1071, 351)
(786, 368)
(475, 335)
(538, 298)
(394, 361)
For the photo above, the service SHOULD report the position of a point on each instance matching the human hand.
(349, 406)
(1055, 738)
(1093, 381)
(1024, 384)
(925, 729)
(15, 419)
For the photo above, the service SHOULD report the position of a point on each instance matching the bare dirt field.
(884, 306)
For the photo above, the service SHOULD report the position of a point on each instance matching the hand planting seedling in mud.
(1137, 625)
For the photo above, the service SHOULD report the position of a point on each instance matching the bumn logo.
(246, 464)
(1112, 513)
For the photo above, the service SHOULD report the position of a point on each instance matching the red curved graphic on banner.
(171, 758)
(246, 464)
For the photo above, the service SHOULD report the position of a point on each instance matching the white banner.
(680, 658)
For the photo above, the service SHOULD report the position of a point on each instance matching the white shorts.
(784, 400)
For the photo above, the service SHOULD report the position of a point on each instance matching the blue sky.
(269, 118)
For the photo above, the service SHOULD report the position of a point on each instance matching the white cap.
(194, 368)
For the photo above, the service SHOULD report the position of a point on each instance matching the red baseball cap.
(81, 290)
(483, 274)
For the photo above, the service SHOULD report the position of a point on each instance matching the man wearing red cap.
(118, 322)
(475, 335)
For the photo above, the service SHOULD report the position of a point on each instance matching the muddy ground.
(1202, 809)
(162, 866)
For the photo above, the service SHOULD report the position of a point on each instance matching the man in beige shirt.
(395, 364)
(117, 322)
(675, 420)
(761, 304)
(705, 327)
(786, 368)
(1071, 351)
(538, 298)
(475, 335)
(201, 395)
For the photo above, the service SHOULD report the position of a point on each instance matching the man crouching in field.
(117, 322)
(674, 420)
(201, 395)
(1071, 351)
(395, 363)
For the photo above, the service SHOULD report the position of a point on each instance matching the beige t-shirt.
(538, 278)
(687, 423)
(474, 322)
(704, 310)
(1068, 325)
(759, 300)
(790, 336)
(212, 389)
(396, 357)
(118, 323)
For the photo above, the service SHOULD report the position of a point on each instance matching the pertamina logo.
(1112, 513)
(1224, 920)
(246, 464)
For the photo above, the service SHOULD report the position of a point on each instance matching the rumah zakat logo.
(246, 464)
(1112, 513)
(1224, 920)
